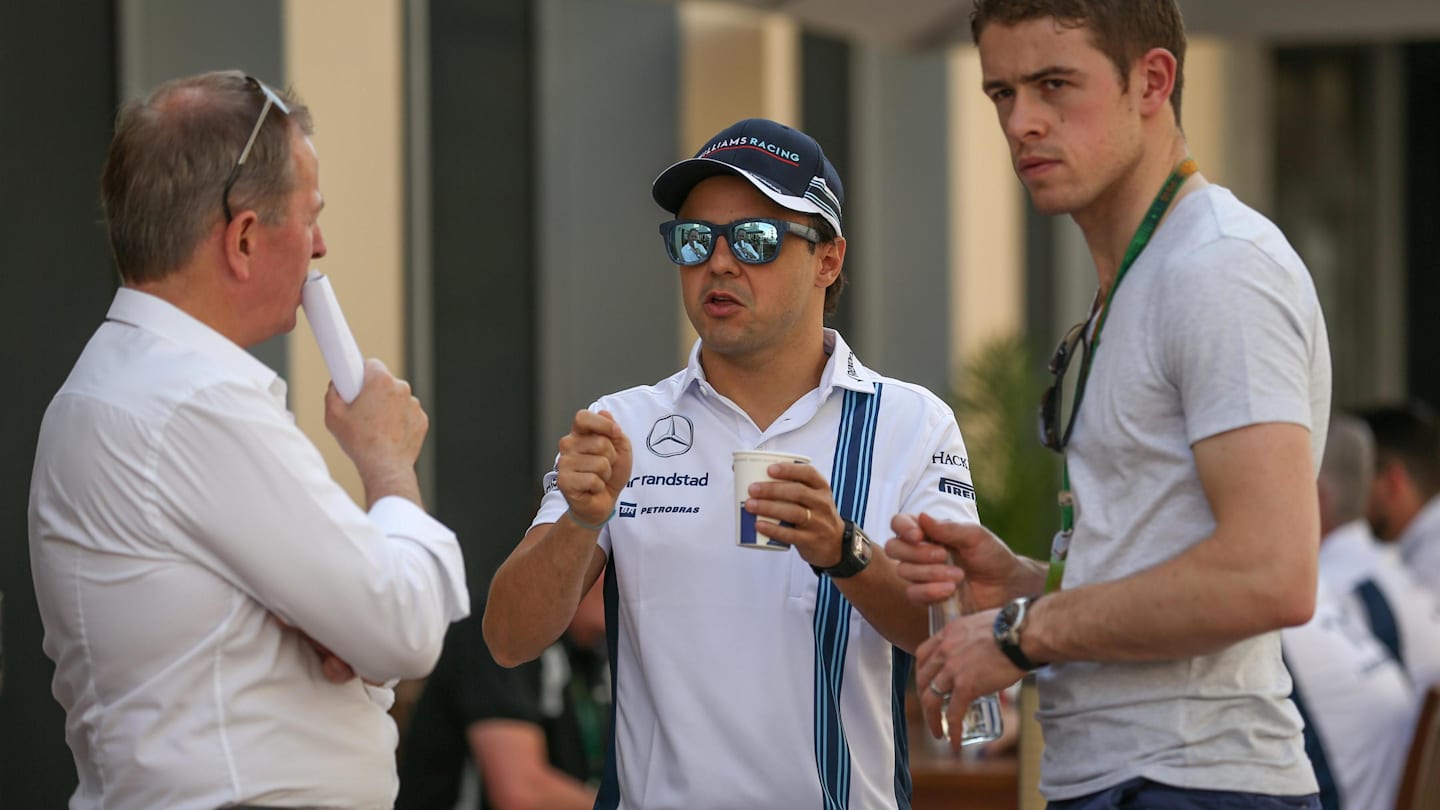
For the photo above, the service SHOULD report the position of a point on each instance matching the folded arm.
(377, 589)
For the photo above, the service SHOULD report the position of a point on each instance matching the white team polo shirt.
(724, 678)
(1384, 593)
(1357, 703)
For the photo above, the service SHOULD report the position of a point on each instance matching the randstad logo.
(952, 487)
(670, 436)
(672, 480)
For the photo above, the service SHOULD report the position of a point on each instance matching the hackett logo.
(753, 143)
(950, 459)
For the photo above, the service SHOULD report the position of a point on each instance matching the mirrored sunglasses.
(689, 242)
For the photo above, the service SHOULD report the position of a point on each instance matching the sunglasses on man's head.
(688, 242)
(271, 100)
(1055, 424)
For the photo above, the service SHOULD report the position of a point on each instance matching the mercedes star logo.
(671, 436)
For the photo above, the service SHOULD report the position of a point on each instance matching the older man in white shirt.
(202, 580)
(1401, 612)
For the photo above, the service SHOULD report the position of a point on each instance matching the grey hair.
(1347, 469)
(171, 155)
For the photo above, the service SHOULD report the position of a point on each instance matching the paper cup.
(750, 466)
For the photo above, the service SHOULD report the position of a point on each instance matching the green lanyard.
(1060, 548)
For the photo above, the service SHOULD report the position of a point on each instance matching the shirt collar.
(160, 317)
(1422, 527)
(842, 370)
(1347, 541)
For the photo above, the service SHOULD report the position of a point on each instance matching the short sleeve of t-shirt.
(1235, 343)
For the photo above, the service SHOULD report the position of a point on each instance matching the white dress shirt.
(1351, 556)
(175, 512)
(1420, 544)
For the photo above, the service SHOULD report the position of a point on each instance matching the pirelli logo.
(950, 486)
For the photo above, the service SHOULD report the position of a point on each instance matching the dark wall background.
(825, 112)
(57, 94)
(484, 299)
(1423, 209)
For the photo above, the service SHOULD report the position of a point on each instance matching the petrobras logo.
(671, 436)
(950, 486)
(630, 510)
(950, 460)
(672, 480)
(669, 510)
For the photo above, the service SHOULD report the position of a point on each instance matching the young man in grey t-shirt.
(1205, 372)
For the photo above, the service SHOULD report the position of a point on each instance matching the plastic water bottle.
(982, 722)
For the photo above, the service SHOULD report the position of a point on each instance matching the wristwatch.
(854, 554)
(1009, 623)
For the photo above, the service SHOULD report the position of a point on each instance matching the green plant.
(1016, 478)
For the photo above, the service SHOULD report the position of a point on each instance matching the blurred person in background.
(1188, 510)
(208, 591)
(1402, 613)
(535, 734)
(1405, 495)
(745, 678)
(1358, 704)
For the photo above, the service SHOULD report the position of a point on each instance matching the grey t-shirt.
(1215, 327)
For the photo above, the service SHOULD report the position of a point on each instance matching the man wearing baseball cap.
(745, 678)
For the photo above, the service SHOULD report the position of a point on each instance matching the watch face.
(1008, 616)
(860, 546)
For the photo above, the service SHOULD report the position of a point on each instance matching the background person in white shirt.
(1359, 707)
(1369, 576)
(1405, 496)
(186, 539)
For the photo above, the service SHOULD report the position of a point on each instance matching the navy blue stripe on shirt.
(832, 749)
(1315, 750)
(850, 483)
(900, 662)
(1381, 618)
(609, 795)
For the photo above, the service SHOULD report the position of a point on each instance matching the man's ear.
(832, 259)
(1398, 480)
(240, 241)
(1155, 72)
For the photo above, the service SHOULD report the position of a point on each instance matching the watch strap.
(850, 563)
(1007, 632)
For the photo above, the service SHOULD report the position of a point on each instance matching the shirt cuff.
(402, 518)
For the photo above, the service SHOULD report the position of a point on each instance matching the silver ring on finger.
(934, 690)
